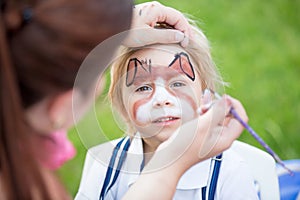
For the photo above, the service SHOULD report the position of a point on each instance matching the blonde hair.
(199, 51)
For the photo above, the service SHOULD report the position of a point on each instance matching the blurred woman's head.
(43, 44)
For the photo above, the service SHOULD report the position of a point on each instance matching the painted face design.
(160, 97)
(181, 63)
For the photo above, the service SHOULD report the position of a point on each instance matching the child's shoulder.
(233, 160)
(231, 155)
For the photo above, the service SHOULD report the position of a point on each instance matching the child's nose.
(162, 98)
(158, 103)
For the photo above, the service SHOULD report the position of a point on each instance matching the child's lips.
(166, 120)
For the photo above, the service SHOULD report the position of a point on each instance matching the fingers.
(224, 127)
(150, 13)
(166, 36)
(154, 12)
(233, 126)
(214, 119)
(146, 36)
(218, 112)
(209, 135)
(237, 105)
(177, 20)
(206, 102)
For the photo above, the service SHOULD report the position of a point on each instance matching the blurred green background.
(256, 45)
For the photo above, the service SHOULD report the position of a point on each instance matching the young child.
(156, 89)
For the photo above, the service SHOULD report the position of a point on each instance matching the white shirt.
(234, 182)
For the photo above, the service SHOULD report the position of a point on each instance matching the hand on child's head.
(147, 16)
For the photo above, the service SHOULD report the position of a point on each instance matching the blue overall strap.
(214, 179)
(120, 163)
(110, 169)
(203, 190)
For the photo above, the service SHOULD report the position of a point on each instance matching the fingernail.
(199, 111)
(179, 36)
(206, 97)
(206, 92)
(208, 105)
(185, 42)
(204, 108)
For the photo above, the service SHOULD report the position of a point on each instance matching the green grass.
(256, 45)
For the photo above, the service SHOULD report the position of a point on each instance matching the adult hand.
(145, 18)
(202, 138)
(223, 128)
(198, 140)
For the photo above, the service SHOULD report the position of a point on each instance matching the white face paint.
(161, 105)
(158, 102)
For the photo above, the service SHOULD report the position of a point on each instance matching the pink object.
(57, 150)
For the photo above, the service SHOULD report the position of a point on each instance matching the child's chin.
(165, 135)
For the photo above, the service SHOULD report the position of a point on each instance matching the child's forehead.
(160, 55)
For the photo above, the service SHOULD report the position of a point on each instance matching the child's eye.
(177, 84)
(143, 88)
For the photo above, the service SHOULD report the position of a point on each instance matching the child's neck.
(149, 148)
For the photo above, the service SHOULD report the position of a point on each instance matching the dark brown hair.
(42, 45)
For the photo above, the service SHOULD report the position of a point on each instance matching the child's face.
(161, 91)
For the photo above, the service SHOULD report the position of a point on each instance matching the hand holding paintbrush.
(251, 131)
